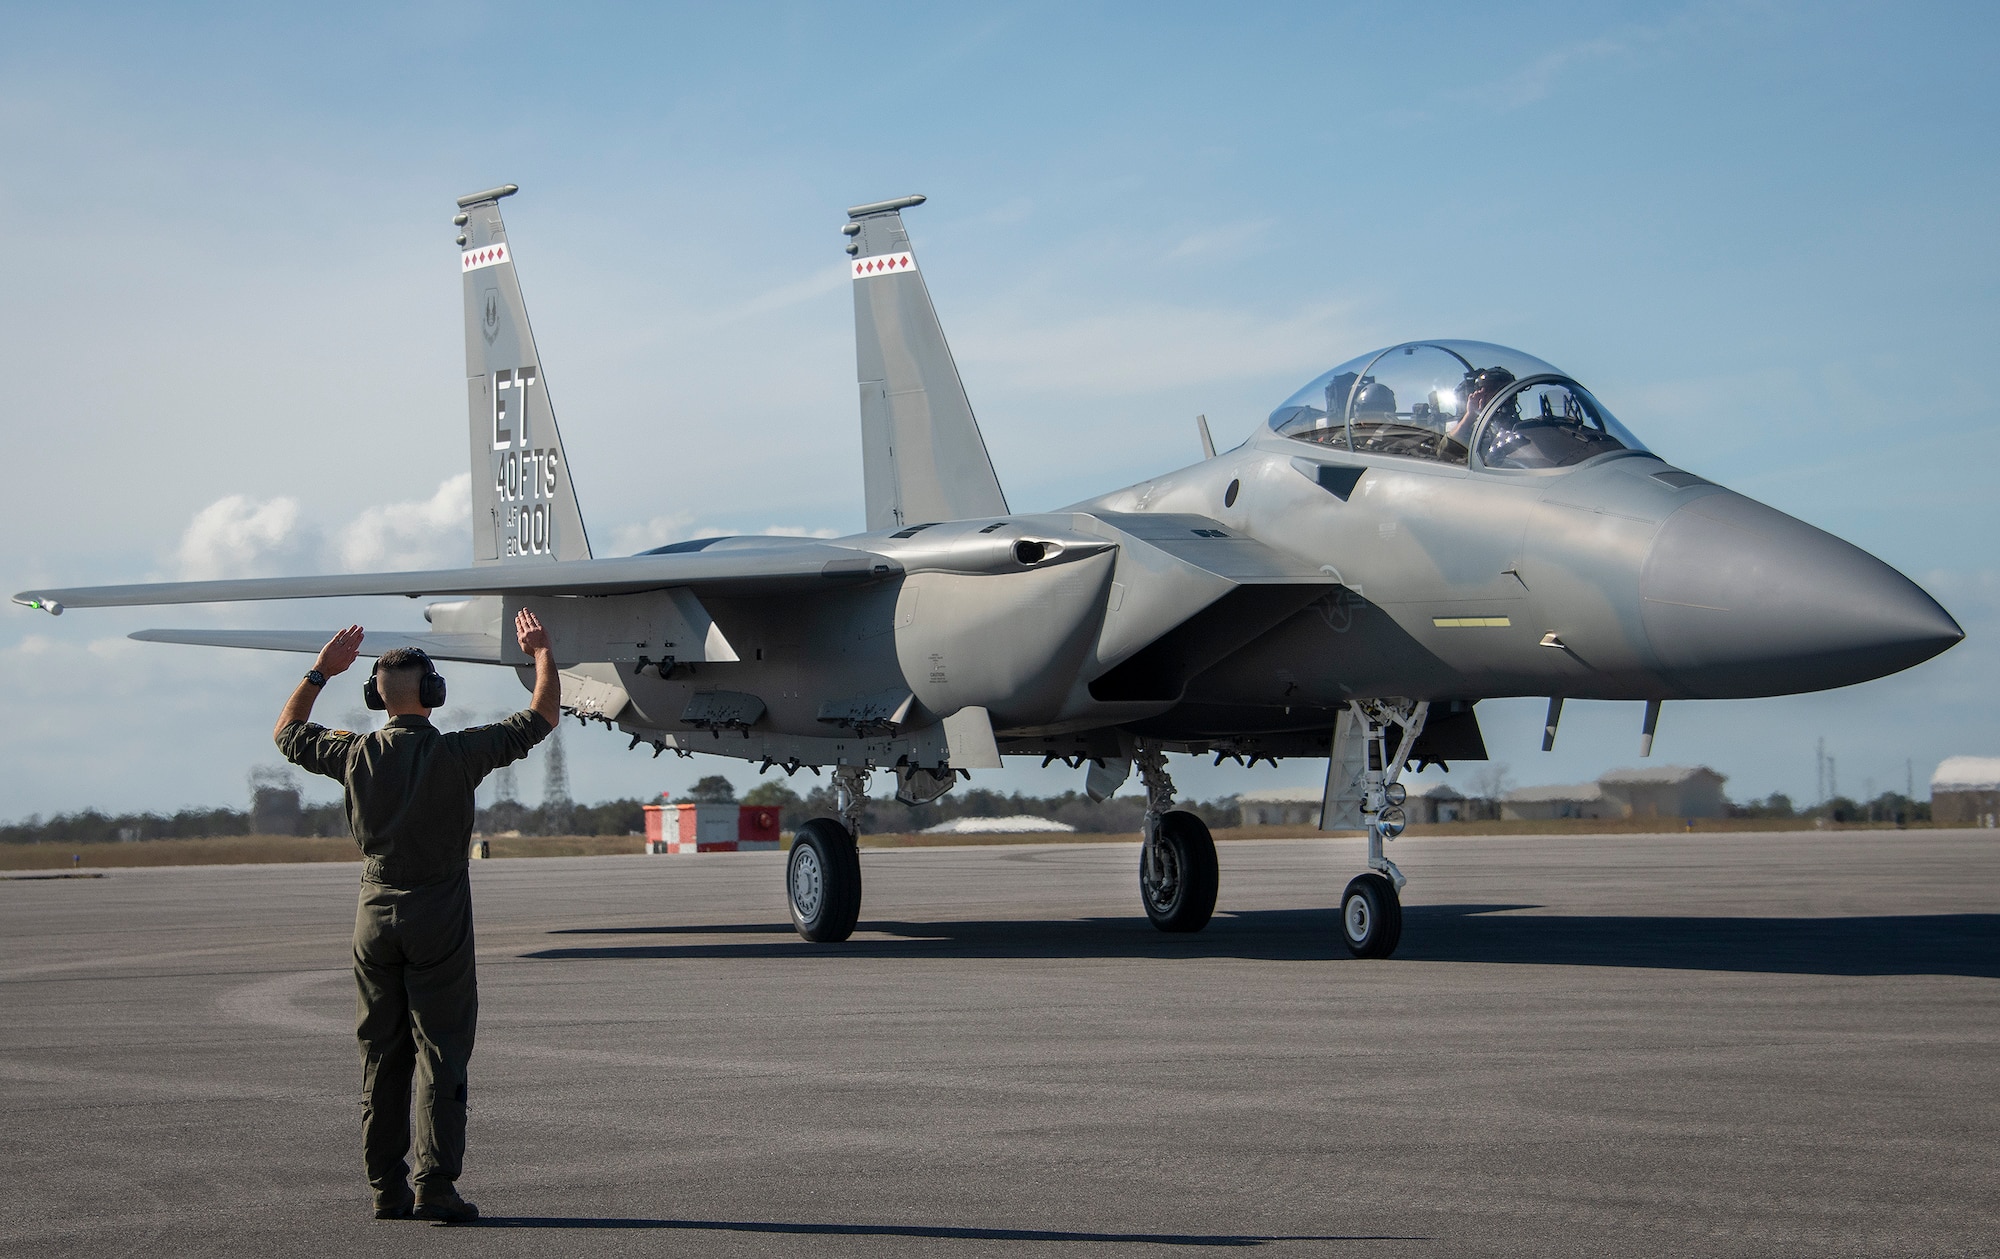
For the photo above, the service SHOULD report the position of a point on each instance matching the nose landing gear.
(1371, 916)
(1371, 909)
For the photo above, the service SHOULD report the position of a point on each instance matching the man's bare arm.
(333, 660)
(548, 685)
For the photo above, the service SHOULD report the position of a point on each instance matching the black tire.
(1371, 916)
(1183, 899)
(823, 881)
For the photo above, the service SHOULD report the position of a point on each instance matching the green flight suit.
(409, 803)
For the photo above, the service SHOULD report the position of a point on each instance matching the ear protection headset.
(430, 687)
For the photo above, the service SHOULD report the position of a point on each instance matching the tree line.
(623, 816)
(882, 814)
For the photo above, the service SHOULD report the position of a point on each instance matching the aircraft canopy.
(1442, 400)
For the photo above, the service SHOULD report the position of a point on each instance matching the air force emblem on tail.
(525, 478)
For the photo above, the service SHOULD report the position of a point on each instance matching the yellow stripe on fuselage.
(1471, 622)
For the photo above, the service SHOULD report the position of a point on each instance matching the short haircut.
(399, 674)
(399, 659)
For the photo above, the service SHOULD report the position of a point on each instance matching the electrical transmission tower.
(557, 807)
(506, 786)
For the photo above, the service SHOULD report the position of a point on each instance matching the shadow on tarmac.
(1930, 944)
(942, 1232)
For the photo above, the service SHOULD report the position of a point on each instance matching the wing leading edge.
(758, 569)
(465, 648)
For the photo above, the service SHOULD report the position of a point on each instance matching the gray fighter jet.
(1418, 529)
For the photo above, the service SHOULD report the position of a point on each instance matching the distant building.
(1542, 804)
(1430, 803)
(1681, 791)
(1280, 806)
(1665, 791)
(1965, 791)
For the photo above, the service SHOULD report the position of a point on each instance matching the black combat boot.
(446, 1207)
(394, 1204)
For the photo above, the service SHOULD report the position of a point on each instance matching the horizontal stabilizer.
(469, 648)
(784, 565)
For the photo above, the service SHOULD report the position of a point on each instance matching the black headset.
(430, 687)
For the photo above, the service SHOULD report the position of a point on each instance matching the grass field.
(258, 849)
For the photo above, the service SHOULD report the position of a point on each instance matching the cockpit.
(1454, 402)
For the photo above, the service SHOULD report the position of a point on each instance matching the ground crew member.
(409, 803)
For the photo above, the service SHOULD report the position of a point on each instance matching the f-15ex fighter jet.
(1416, 530)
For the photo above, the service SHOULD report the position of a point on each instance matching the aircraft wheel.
(1371, 916)
(823, 881)
(1182, 896)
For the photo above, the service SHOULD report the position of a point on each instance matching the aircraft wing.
(783, 565)
(469, 648)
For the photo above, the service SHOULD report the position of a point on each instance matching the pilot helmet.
(1374, 398)
(1481, 384)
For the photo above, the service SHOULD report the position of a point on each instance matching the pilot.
(409, 803)
(1480, 387)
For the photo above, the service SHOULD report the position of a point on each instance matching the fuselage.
(1454, 554)
(1619, 578)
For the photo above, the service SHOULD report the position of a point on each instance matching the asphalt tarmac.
(1699, 1044)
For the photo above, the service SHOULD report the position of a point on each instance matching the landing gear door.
(1346, 771)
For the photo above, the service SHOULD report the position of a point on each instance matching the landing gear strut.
(1371, 912)
(1177, 870)
(823, 873)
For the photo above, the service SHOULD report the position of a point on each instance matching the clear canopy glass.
(1427, 399)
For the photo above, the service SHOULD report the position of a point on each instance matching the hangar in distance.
(1415, 530)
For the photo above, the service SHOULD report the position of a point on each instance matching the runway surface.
(1706, 1044)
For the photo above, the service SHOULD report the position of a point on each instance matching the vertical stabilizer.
(922, 457)
(524, 508)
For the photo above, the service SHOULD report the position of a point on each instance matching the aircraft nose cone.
(1739, 600)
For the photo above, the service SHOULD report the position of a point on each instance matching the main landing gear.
(1371, 911)
(823, 872)
(1177, 871)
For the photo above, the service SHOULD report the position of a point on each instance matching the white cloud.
(434, 533)
(239, 536)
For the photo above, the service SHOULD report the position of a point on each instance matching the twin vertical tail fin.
(524, 509)
(922, 456)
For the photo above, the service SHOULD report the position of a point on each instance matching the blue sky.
(1763, 234)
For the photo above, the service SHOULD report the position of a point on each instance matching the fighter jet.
(1415, 530)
